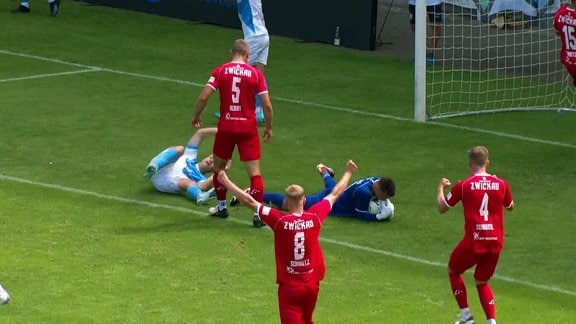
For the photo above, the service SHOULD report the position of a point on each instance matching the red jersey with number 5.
(239, 83)
(484, 197)
(297, 248)
(565, 25)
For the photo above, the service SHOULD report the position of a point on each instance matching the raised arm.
(342, 183)
(242, 196)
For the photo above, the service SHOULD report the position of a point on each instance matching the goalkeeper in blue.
(178, 170)
(366, 199)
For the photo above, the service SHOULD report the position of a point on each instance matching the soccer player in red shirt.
(299, 260)
(238, 83)
(484, 198)
(565, 26)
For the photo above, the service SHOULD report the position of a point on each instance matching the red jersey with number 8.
(299, 257)
(484, 197)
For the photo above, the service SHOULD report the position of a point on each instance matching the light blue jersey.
(252, 19)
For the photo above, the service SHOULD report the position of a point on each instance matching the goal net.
(502, 57)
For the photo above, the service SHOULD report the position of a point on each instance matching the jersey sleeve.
(508, 199)
(262, 87)
(321, 209)
(454, 196)
(213, 80)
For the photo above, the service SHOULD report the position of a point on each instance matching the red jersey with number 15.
(484, 197)
(299, 257)
(239, 83)
(565, 24)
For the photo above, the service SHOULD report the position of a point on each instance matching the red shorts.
(464, 257)
(297, 301)
(248, 145)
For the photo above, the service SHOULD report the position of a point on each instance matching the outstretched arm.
(244, 197)
(342, 183)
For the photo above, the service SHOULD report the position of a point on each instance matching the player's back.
(565, 24)
(359, 193)
(238, 83)
(484, 198)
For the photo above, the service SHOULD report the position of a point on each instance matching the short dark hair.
(387, 185)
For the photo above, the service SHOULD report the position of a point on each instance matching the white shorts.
(259, 46)
(166, 179)
(185, 167)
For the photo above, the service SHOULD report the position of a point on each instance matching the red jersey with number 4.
(299, 257)
(484, 197)
(239, 83)
(565, 24)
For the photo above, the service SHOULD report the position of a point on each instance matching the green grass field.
(89, 97)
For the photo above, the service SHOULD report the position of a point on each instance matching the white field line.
(89, 68)
(324, 239)
(48, 75)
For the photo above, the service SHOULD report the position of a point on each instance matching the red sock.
(257, 187)
(487, 300)
(220, 189)
(459, 289)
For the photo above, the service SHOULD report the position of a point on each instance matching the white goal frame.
(528, 71)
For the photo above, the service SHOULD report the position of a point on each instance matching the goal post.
(498, 58)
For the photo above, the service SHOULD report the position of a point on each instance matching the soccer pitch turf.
(88, 98)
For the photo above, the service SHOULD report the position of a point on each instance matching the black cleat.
(257, 222)
(215, 212)
(234, 201)
(21, 9)
(54, 7)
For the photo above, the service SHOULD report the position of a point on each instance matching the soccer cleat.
(257, 222)
(54, 7)
(204, 196)
(21, 9)
(150, 171)
(4, 296)
(220, 213)
(321, 167)
(217, 115)
(234, 201)
(469, 320)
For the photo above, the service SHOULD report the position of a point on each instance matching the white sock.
(491, 321)
(465, 312)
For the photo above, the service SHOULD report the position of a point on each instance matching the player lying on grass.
(357, 201)
(177, 169)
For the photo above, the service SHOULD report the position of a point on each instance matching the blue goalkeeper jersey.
(355, 200)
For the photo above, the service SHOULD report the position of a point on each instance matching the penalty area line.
(323, 239)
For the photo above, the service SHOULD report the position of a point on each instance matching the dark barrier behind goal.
(306, 20)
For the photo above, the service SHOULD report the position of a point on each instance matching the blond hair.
(240, 47)
(478, 155)
(294, 193)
